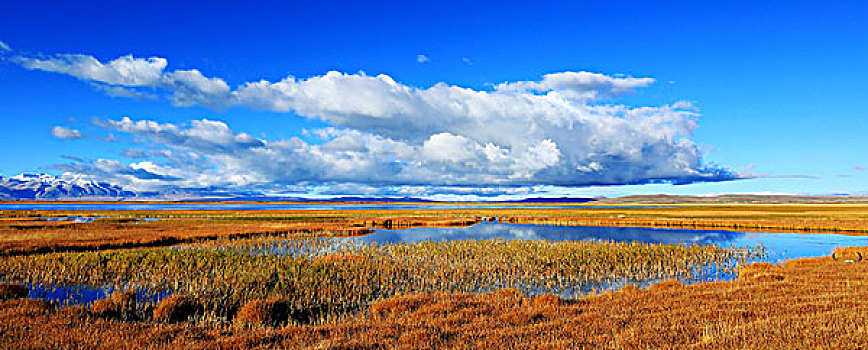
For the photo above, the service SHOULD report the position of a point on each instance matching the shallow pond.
(779, 245)
(90, 219)
(75, 295)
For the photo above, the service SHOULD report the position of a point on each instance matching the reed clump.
(264, 312)
(176, 308)
(121, 304)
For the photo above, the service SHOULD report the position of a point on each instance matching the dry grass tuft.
(271, 312)
(547, 300)
(176, 308)
(396, 305)
(761, 272)
(667, 285)
(121, 304)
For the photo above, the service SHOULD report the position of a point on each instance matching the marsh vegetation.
(288, 279)
(315, 277)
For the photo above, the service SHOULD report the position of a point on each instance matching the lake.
(779, 245)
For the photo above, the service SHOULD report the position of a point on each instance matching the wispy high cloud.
(422, 58)
(578, 85)
(4, 47)
(124, 71)
(554, 131)
(121, 77)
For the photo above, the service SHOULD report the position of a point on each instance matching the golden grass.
(39, 237)
(176, 308)
(818, 304)
(28, 235)
(264, 312)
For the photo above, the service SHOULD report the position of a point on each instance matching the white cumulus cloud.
(554, 131)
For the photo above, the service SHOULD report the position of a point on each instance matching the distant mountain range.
(42, 186)
(71, 187)
(554, 200)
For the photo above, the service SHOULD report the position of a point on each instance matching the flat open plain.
(290, 279)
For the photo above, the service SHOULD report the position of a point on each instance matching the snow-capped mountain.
(43, 186)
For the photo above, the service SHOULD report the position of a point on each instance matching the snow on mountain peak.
(66, 186)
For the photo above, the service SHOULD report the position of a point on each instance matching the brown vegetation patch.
(270, 312)
(41, 237)
(176, 308)
(121, 304)
(10, 291)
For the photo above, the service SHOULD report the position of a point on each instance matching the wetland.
(244, 272)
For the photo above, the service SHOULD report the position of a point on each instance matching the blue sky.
(771, 91)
